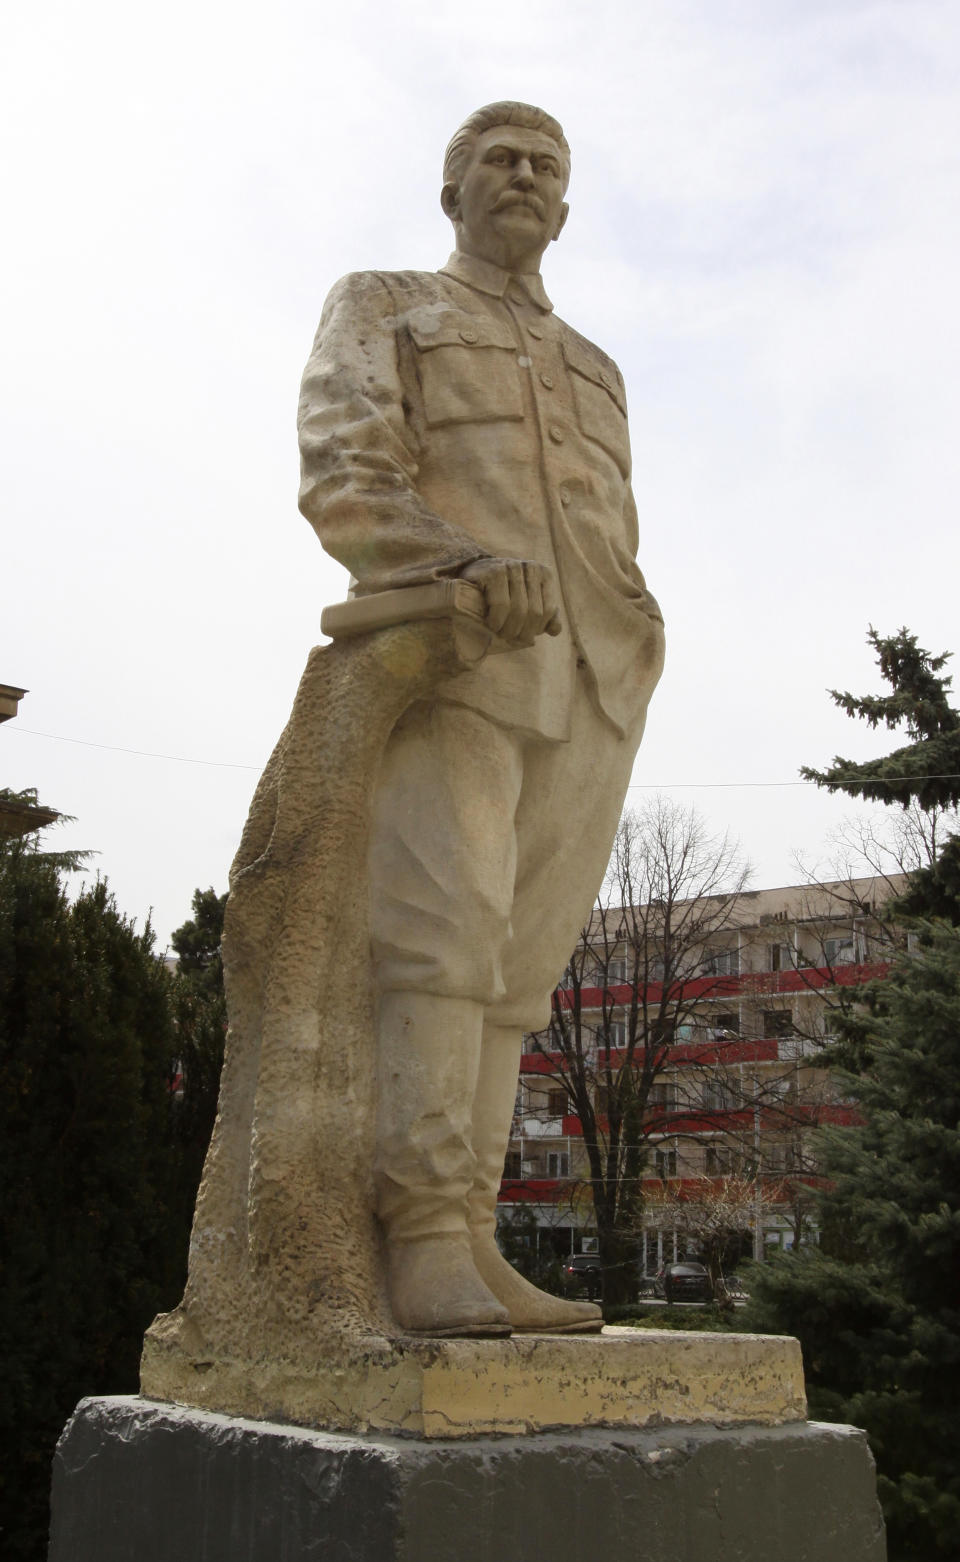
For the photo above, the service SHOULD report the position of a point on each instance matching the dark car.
(686, 1282)
(581, 1272)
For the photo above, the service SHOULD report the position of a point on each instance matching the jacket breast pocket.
(467, 368)
(600, 403)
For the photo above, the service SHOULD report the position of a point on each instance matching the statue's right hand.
(521, 598)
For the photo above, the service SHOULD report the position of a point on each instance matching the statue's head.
(505, 174)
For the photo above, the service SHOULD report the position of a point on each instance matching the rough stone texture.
(285, 1254)
(163, 1484)
(458, 1388)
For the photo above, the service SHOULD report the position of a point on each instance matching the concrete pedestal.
(136, 1479)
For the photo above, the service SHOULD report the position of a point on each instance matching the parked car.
(686, 1282)
(581, 1272)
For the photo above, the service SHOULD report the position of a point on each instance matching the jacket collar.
(485, 277)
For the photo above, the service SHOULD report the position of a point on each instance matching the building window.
(558, 1163)
(726, 1022)
(556, 1103)
(512, 1166)
(780, 1089)
(777, 1022)
(663, 1096)
(617, 971)
(719, 1095)
(780, 957)
(720, 1160)
(605, 1038)
(782, 1157)
(665, 1161)
(839, 951)
(722, 962)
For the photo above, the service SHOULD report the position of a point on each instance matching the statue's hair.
(458, 152)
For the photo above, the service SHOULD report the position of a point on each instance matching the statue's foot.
(531, 1310)
(435, 1289)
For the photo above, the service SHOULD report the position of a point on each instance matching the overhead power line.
(838, 781)
(643, 786)
(142, 753)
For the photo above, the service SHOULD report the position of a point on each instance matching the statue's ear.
(450, 201)
(564, 213)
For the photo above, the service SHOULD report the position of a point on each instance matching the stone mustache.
(431, 830)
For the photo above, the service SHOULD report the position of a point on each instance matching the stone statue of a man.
(451, 426)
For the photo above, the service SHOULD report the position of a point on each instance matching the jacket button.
(516, 297)
(564, 495)
(556, 434)
(604, 378)
(469, 336)
(547, 380)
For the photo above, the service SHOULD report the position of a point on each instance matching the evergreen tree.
(197, 942)
(201, 1020)
(925, 771)
(877, 1308)
(928, 767)
(935, 891)
(89, 1252)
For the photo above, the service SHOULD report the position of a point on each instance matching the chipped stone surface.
(157, 1483)
(459, 1388)
(285, 1254)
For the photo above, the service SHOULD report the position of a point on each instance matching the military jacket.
(451, 416)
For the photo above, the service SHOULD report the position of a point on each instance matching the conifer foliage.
(926, 769)
(877, 1309)
(88, 1253)
(201, 1020)
(109, 1071)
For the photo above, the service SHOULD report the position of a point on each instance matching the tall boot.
(429, 1054)
(531, 1310)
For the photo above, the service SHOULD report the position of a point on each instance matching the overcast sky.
(764, 232)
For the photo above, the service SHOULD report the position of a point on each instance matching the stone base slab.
(527, 1383)
(159, 1483)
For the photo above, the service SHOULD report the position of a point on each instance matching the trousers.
(488, 847)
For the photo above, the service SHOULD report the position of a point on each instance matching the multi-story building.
(727, 1046)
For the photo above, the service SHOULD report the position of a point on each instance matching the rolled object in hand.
(408, 604)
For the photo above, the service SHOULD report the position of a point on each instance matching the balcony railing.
(540, 1127)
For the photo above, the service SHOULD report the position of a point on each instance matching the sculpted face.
(509, 203)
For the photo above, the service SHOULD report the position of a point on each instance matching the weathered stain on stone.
(458, 1388)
